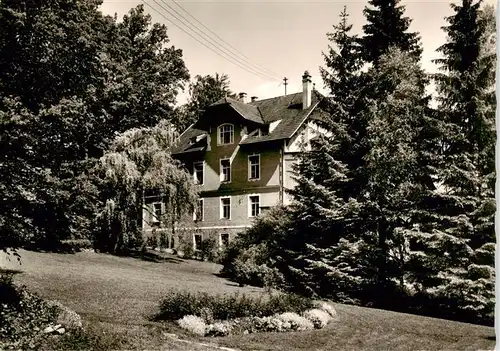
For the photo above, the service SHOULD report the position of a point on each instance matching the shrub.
(207, 315)
(250, 258)
(271, 324)
(221, 328)
(194, 324)
(229, 306)
(186, 247)
(163, 239)
(22, 317)
(67, 317)
(76, 245)
(246, 269)
(318, 317)
(295, 321)
(152, 240)
(325, 306)
(209, 250)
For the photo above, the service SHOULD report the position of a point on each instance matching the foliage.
(178, 304)
(186, 247)
(139, 159)
(70, 79)
(210, 250)
(194, 324)
(220, 328)
(296, 321)
(23, 316)
(318, 317)
(68, 318)
(386, 28)
(277, 322)
(76, 245)
(203, 91)
(394, 204)
(92, 337)
(452, 256)
(246, 259)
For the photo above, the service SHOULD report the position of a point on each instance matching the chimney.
(306, 90)
(243, 97)
(254, 98)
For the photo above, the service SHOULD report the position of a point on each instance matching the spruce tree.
(387, 27)
(320, 205)
(454, 242)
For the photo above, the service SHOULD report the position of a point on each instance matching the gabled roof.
(286, 109)
(185, 142)
(247, 111)
(289, 110)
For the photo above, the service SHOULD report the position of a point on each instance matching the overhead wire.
(218, 52)
(190, 25)
(263, 69)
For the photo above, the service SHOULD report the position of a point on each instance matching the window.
(254, 167)
(157, 212)
(225, 208)
(226, 134)
(224, 240)
(225, 170)
(197, 241)
(253, 205)
(198, 213)
(198, 173)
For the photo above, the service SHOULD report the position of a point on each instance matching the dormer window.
(226, 134)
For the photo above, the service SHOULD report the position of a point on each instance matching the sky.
(276, 38)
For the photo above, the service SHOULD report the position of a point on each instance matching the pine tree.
(453, 245)
(320, 204)
(392, 167)
(387, 27)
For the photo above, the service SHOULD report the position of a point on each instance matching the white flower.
(221, 328)
(318, 317)
(328, 308)
(295, 321)
(194, 324)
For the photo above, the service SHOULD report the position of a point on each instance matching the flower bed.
(229, 306)
(314, 318)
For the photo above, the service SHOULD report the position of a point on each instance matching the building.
(241, 153)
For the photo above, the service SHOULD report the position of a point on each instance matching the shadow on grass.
(150, 256)
(60, 248)
(10, 271)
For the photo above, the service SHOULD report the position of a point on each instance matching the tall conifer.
(453, 245)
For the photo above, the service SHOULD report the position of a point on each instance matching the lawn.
(117, 295)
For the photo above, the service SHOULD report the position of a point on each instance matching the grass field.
(117, 296)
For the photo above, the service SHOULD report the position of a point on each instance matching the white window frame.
(221, 207)
(221, 243)
(195, 177)
(155, 218)
(194, 241)
(221, 174)
(195, 218)
(250, 205)
(220, 140)
(250, 168)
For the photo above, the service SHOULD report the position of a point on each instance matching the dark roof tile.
(184, 144)
(287, 108)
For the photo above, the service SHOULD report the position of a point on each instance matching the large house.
(241, 153)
